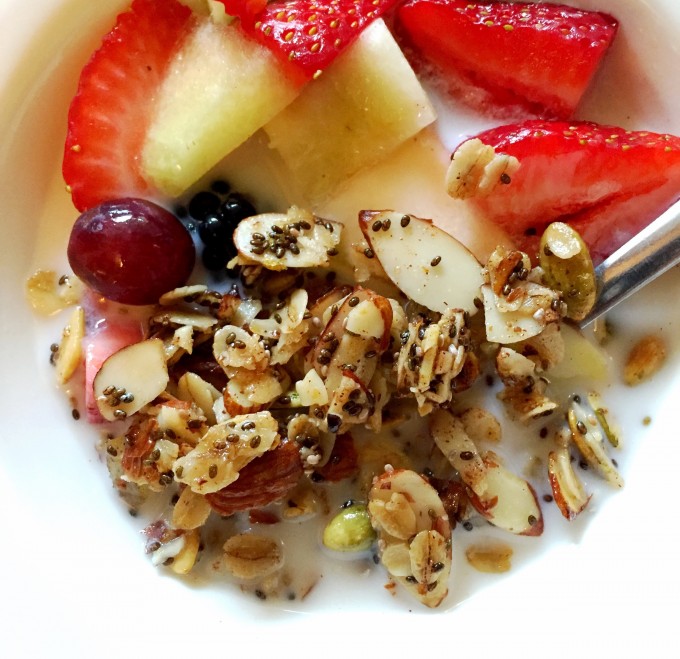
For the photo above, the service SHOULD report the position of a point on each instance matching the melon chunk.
(358, 111)
(220, 88)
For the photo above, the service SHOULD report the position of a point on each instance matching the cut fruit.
(424, 262)
(364, 106)
(220, 88)
(535, 57)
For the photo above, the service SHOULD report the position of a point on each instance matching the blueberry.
(236, 208)
(214, 230)
(220, 187)
(216, 257)
(203, 204)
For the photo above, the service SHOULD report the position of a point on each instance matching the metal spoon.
(641, 260)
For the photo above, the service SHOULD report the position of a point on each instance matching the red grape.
(131, 251)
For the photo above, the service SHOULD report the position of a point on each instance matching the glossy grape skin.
(131, 251)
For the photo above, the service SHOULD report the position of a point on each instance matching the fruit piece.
(377, 103)
(568, 268)
(538, 57)
(426, 263)
(582, 358)
(218, 212)
(104, 336)
(307, 36)
(606, 182)
(244, 9)
(130, 379)
(111, 110)
(219, 89)
(131, 251)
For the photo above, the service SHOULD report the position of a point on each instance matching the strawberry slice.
(307, 35)
(607, 182)
(106, 331)
(539, 58)
(244, 9)
(110, 113)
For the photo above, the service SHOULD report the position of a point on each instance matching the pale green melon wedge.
(359, 110)
(220, 89)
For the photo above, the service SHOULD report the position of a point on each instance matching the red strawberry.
(538, 57)
(106, 332)
(243, 8)
(108, 117)
(307, 35)
(606, 182)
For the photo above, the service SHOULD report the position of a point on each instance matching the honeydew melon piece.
(359, 110)
(220, 88)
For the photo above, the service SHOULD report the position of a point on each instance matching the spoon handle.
(641, 260)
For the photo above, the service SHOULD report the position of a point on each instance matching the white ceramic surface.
(74, 580)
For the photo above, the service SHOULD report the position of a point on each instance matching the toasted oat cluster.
(250, 402)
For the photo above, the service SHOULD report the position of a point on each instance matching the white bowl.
(75, 581)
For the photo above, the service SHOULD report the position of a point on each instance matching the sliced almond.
(568, 491)
(427, 264)
(70, 352)
(315, 238)
(130, 379)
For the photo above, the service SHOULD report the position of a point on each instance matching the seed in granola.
(353, 301)
(284, 400)
(255, 441)
(258, 249)
(370, 354)
(377, 225)
(239, 345)
(507, 289)
(233, 438)
(212, 471)
(404, 337)
(109, 390)
(324, 357)
(120, 414)
(405, 220)
(421, 335)
(468, 526)
(165, 478)
(127, 397)
(386, 224)
(466, 455)
(154, 455)
(333, 251)
(247, 425)
(305, 225)
(547, 498)
(411, 579)
(294, 249)
(179, 471)
(111, 450)
(532, 520)
(581, 427)
(436, 261)
(219, 445)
